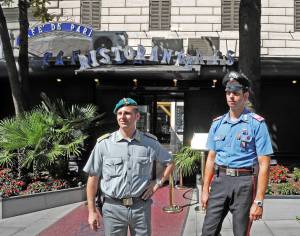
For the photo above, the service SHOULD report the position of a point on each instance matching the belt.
(123, 201)
(235, 171)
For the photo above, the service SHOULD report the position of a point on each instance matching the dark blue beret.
(241, 79)
(124, 102)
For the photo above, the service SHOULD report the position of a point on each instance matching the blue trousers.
(234, 194)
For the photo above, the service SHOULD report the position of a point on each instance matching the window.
(160, 14)
(230, 14)
(91, 13)
(206, 45)
(297, 15)
(12, 14)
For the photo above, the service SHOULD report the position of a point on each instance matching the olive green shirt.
(125, 166)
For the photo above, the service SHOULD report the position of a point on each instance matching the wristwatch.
(159, 182)
(259, 203)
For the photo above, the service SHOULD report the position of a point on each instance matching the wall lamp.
(97, 81)
(214, 83)
(175, 82)
(135, 81)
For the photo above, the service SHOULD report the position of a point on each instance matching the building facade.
(187, 20)
(143, 20)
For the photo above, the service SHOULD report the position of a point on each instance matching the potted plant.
(187, 162)
(35, 149)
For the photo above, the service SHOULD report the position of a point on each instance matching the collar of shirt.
(244, 117)
(137, 136)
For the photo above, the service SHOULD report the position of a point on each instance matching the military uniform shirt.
(125, 166)
(238, 144)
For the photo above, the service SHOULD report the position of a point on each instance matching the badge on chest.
(244, 138)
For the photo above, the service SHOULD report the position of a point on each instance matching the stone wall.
(189, 19)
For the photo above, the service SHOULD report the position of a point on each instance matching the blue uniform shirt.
(238, 144)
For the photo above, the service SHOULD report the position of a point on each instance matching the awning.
(56, 41)
(139, 68)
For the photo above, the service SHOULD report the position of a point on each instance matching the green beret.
(124, 102)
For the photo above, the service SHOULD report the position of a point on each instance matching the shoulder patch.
(217, 118)
(104, 136)
(151, 136)
(257, 117)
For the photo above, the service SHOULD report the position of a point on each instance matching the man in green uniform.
(122, 162)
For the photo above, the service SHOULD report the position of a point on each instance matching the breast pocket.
(112, 167)
(142, 166)
(219, 141)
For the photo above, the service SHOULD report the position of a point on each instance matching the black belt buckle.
(127, 201)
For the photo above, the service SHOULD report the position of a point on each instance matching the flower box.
(19, 205)
(268, 196)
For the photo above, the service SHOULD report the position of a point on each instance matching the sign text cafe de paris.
(123, 55)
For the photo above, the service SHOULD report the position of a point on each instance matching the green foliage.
(287, 189)
(298, 218)
(9, 185)
(187, 160)
(38, 7)
(40, 10)
(45, 137)
(269, 190)
(58, 184)
(78, 116)
(296, 174)
(37, 187)
(44, 186)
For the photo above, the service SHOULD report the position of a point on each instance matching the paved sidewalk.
(33, 223)
(279, 219)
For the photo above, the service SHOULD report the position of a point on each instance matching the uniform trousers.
(229, 193)
(117, 218)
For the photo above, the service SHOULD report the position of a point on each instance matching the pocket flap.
(118, 161)
(114, 161)
(142, 160)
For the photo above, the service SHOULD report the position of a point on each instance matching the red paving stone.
(75, 223)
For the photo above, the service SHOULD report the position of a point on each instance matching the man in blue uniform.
(122, 162)
(237, 167)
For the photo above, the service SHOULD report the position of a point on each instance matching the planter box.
(19, 205)
(282, 196)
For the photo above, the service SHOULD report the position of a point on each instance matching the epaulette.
(257, 117)
(217, 118)
(104, 136)
(150, 136)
